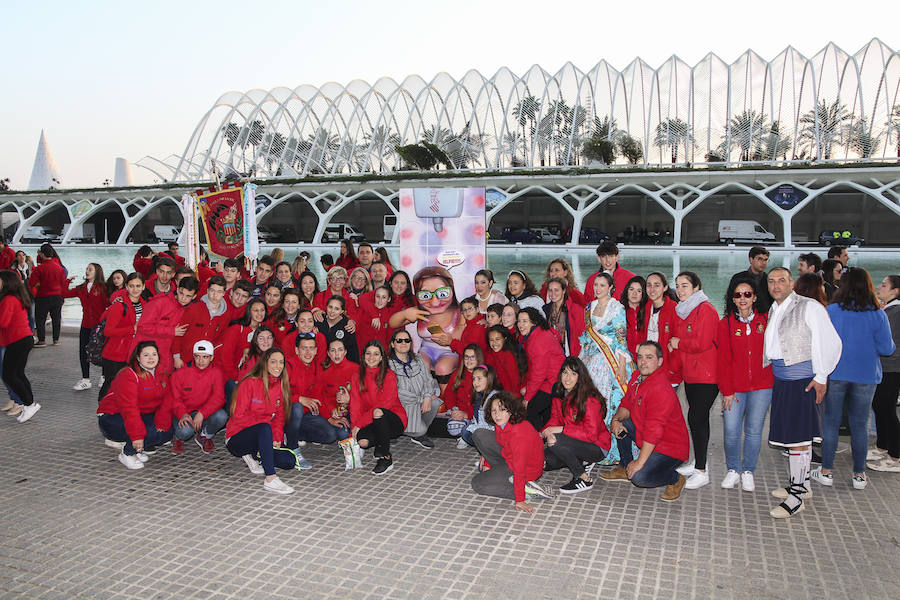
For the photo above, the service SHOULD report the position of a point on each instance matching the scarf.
(686, 307)
(406, 365)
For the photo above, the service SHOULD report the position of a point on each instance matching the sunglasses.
(403, 341)
(737, 295)
(442, 293)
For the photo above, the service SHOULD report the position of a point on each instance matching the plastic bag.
(353, 454)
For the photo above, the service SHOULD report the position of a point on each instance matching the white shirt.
(826, 343)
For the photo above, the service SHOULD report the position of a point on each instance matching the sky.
(110, 79)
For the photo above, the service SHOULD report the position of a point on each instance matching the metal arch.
(95, 208)
(132, 222)
(40, 212)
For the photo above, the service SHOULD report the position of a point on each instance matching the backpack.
(97, 339)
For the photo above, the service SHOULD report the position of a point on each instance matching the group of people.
(534, 378)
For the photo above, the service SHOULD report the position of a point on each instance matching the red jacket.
(504, 365)
(150, 287)
(591, 428)
(13, 321)
(348, 263)
(119, 328)
(740, 355)
(142, 265)
(131, 396)
(93, 302)
(201, 326)
(289, 345)
(666, 321)
(362, 403)
(306, 380)
(523, 450)
(364, 329)
(158, 321)
(461, 397)
(656, 414)
(280, 330)
(697, 344)
(7, 257)
(574, 323)
(230, 349)
(545, 357)
(474, 333)
(197, 389)
(48, 279)
(251, 407)
(340, 375)
(321, 301)
(635, 337)
(620, 277)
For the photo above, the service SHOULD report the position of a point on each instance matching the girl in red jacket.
(514, 451)
(262, 340)
(122, 318)
(376, 414)
(506, 358)
(745, 384)
(695, 341)
(576, 432)
(545, 357)
(661, 318)
(283, 319)
(255, 431)
(635, 300)
(564, 315)
(457, 396)
(135, 410)
(374, 317)
(48, 280)
(337, 381)
(16, 338)
(235, 342)
(94, 300)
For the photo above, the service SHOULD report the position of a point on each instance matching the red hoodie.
(119, 328)
(363, 402)
(474, 333)
(158, 321)
(306, 380)
(93, 302)
(461, 397)
(131, 396)
(252, 407)
(635, 337)
(364, 329)
(343, 374)
(504, 365)
(142, 265)
(197, 389)
(48, 279)
(697, 344)
(591, 428)
(201, 326)
(523, 450)
(13, 321)
(230, 349)
(545, 357)
(740, 355)
(656, 414)
(666, 321)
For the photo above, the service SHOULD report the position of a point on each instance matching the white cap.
(203, 347)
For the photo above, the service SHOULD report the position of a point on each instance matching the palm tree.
(776, 144)
(510, 146)
(893, 126)
(381, 141)
(272, 146)
(823, 126)
(747, 132)
(861, 140)
(672, 133)
(526, 113)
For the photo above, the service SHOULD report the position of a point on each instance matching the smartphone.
(435, 329)
(622, 434)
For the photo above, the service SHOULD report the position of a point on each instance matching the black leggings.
(51, 305)
(14, 360)
(84, 337)
(571, 453)
(884, 403)
(539, 409)
(700, 398)
(381, 431)
(110, 368)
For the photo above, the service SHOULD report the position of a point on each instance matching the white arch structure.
(833, 106)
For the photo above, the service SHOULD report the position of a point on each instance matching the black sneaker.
(576, 485)
(422, 440)
(383, 466)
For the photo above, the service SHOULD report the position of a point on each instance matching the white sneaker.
(301, 444)
(826, 479)
(130, 461)
(253, 465)
(83, 384)
(687, 469)
(747, 482)
(278, 486)
(886, 464)
(697, 480)
(731, 479)
(860, 482)
(461, 444)
(876, 454)
(142, 456)
(113, 444)
(28, 412)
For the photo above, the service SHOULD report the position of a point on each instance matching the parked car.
(520, 234)
(588, 235)
(731, 231)
(38, 235)
(267, 235)
(84, 233)
(341, 231)
(546, 237)
(833, 237)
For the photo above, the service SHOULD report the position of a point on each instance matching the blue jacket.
(866, 337)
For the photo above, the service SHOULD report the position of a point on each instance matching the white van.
(341, 231)
(165, 233)
(744, 231)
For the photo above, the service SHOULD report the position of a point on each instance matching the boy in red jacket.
(198, 398)
(159, 321)
(650, 416)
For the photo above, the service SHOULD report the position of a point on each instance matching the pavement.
(77, 524)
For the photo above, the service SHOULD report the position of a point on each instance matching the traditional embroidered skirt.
(794, 418)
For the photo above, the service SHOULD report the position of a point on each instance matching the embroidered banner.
(222, 215)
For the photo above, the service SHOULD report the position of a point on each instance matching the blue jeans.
(211, 425)
(256, 441)
(747, 414)
(314, 428)
(113, 428)
(859, 396)
(659, 470)
(12, 395)
(230, 384)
